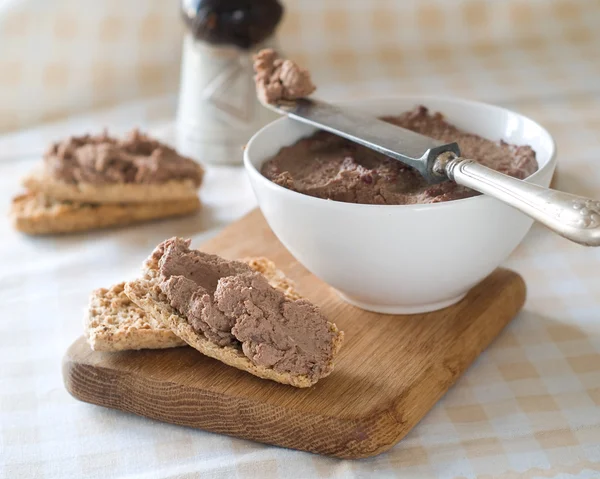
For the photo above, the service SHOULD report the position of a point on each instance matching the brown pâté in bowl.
(330, 167)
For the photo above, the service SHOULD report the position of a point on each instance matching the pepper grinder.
(218, 110)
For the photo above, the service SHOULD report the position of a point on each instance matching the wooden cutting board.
(390, 372)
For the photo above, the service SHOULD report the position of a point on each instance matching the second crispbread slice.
(39, 182)
(114, 323)
(147, 294)
(37, 214)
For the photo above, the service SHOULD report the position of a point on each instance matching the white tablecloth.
(528, 407)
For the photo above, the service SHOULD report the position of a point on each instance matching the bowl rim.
(254, 172)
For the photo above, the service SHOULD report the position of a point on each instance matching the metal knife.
(574, 217)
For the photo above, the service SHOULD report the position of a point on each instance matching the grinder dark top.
(240, 23)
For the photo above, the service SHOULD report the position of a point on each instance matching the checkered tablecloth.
(528, 407)
(60, 57)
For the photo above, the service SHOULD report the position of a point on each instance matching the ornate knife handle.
(574, 217)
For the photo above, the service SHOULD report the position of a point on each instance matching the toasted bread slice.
(37, 214)
(39, 182)
(147, 294)
(114, 323)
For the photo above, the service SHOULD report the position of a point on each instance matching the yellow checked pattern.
(530, 405)
(61, 57)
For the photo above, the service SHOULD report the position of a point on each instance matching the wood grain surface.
(390, 372)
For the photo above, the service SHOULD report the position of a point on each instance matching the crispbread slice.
(37, 214)
(39, 182)
(147, 294)
(114, 323)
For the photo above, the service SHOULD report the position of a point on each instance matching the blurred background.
(529, 407)
(59, 58)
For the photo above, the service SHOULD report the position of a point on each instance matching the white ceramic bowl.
(407, 258)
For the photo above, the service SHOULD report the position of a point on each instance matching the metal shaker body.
(217, 110)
